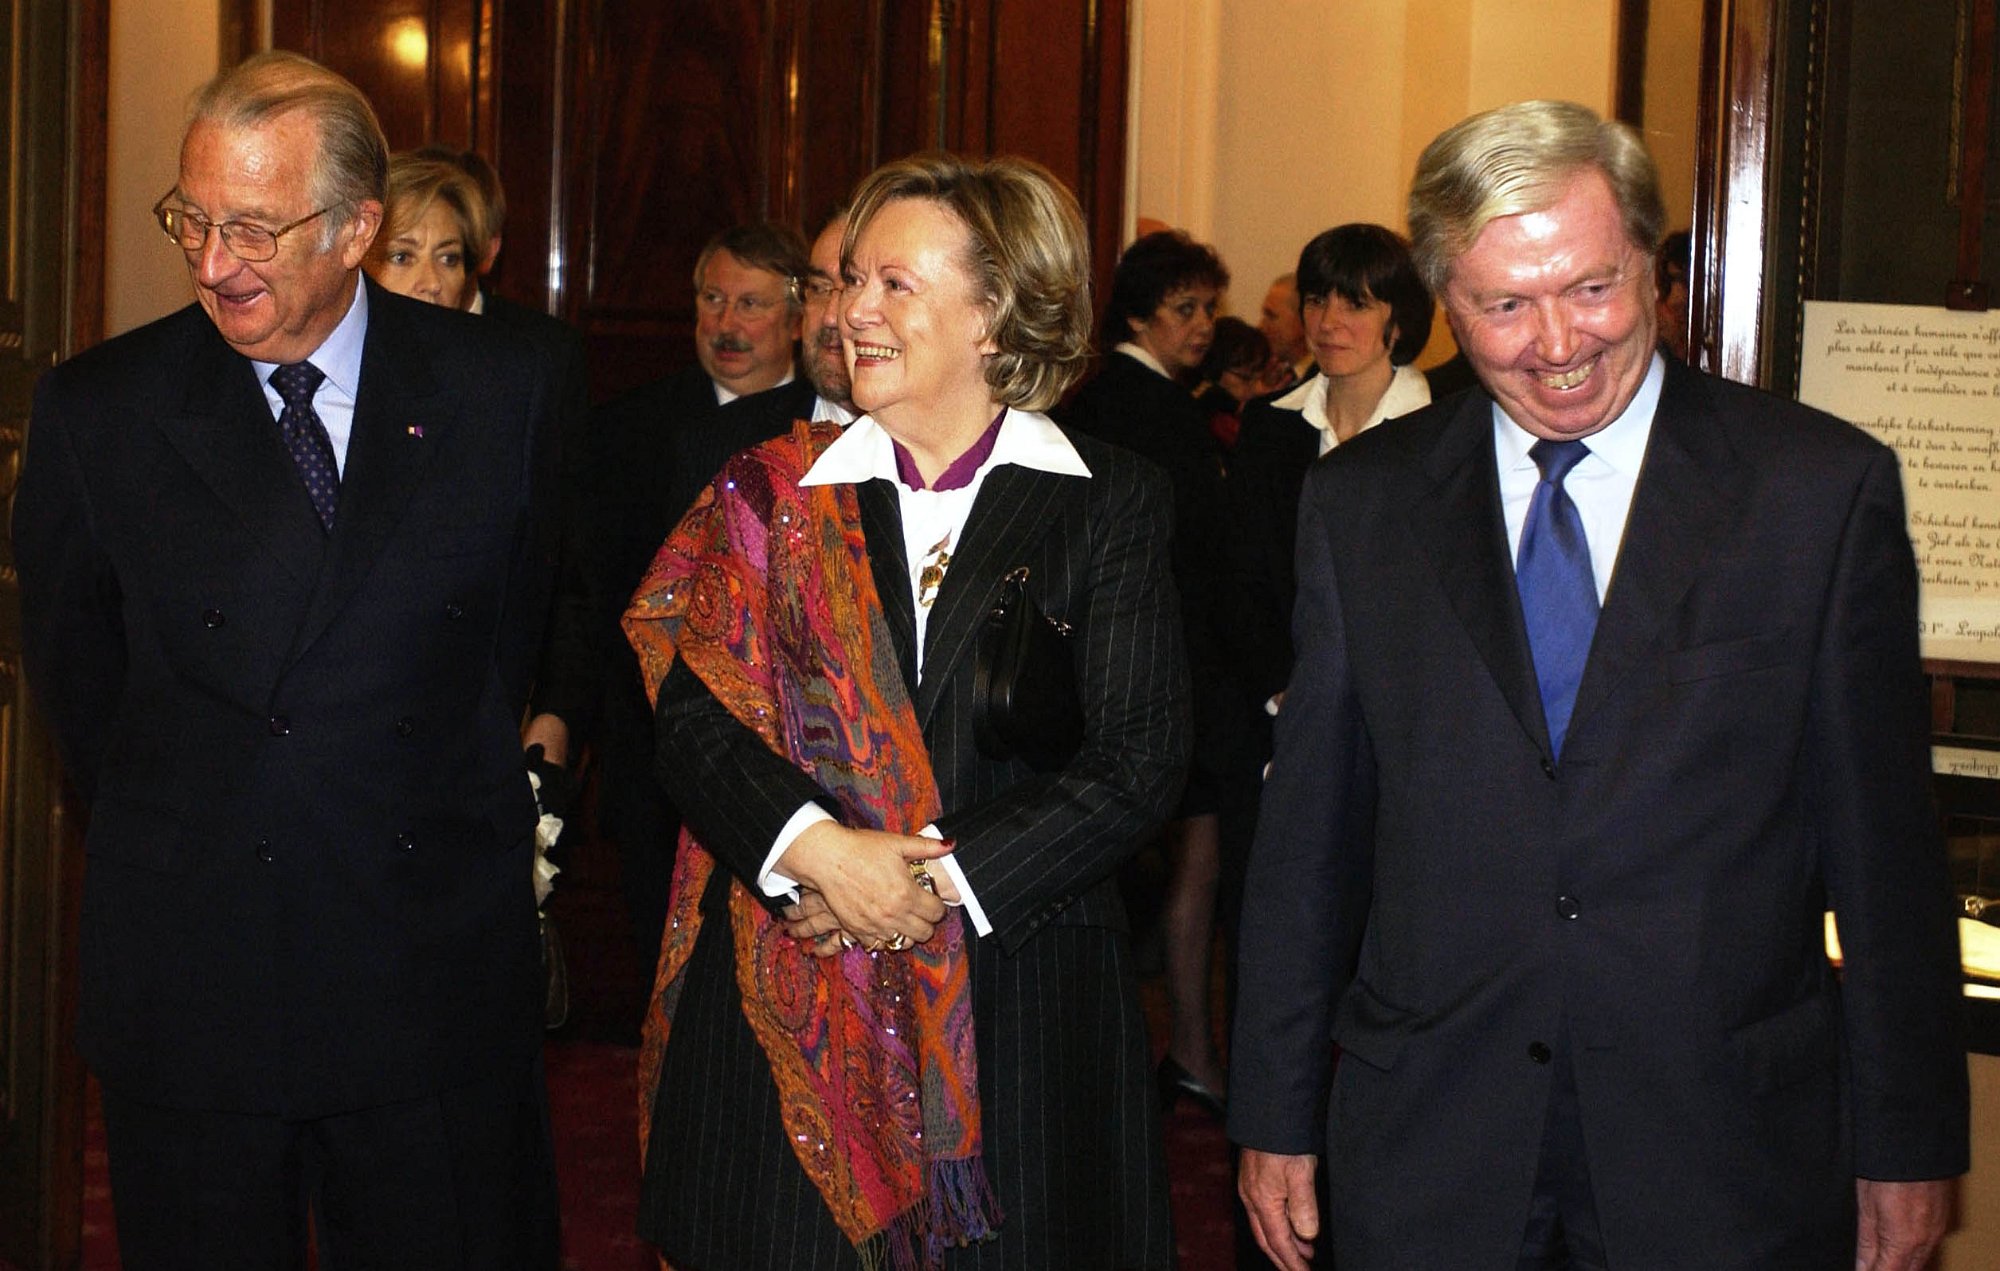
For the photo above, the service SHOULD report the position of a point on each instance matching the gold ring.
(897, 943)
(920, 870)
(847, 941)
(875, 946)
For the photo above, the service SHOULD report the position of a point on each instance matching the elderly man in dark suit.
(283, 557)
(1606, 687)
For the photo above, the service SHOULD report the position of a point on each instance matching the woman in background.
(935, 1055)
(1238, 368)
(1367, 315)
(432, 233)
(1158, 324)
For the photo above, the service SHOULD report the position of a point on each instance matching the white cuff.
(949, 863)
(769, 880)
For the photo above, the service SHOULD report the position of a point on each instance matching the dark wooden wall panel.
(840, 94)
(678, 108)
(416, 59)
(627, 132)
(521, 134)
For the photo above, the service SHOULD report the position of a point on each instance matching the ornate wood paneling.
(419, 61)
(627, 132)
(52, 157)
(1732, 170)
(675, 125)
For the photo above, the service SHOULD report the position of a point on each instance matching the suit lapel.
(1304, 442)
(1460, 526)
(1691, 489)
(400, 420)
(1011, 514)
(882, 527)
(225, 431)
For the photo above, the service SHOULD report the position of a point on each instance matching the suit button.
(1567, 907)
(211, 618)
(405, 726)
(280, 726)
(1540, 1052)
(1548, 767)
(264, 852)
(405, 841)
(453, 610)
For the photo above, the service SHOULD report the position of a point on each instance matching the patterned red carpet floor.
(593, 1107)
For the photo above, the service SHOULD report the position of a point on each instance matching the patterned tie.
(1558, 593)
(306, 437)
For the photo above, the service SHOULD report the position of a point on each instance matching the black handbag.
(1024, 700)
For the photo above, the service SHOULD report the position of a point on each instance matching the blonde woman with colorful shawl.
(896, 1022)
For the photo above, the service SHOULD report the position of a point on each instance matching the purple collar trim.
(962, 469)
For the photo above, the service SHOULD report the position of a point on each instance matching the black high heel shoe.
(1176, 1083)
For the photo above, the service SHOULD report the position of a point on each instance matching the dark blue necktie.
(306, 437)
(1558, 592)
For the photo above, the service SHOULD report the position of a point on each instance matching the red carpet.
(592, 1068)
(592, 1105)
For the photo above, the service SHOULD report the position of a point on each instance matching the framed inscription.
(1927, 382)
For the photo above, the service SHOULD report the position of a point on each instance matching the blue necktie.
(305, 436)
(1558, 592)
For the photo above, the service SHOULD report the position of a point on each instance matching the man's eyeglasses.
(245, 240)
(821, 290)
(748, 308)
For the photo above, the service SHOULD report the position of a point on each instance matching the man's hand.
(1901, 1224)
(1284, 1213)
(551, 734)
(863, 878)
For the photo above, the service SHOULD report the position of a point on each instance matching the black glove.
(558, 790)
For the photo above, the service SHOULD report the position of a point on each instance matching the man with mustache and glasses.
(824, 392)
(1606, 688)
(652, 451)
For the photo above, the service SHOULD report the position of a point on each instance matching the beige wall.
(1321, 109)
(160, 53)
(1673, 68)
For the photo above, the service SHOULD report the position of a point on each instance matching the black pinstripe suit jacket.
(1071, 1135)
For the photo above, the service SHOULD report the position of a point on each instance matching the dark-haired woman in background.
(941, 1086)
(1237, 369)
(1367, 315)
(1157, 326)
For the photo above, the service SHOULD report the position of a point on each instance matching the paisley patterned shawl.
(765, 591)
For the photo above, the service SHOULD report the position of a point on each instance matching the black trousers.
(459, 1181)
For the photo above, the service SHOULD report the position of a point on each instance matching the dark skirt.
(1071, 1132)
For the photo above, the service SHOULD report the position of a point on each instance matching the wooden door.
(51, 303)
(627, 132)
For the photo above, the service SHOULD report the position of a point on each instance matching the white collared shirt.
(339, 359)
(865, 452)
(724, 396)
(1143, 358)
(1408, 390)
(1601, 484)
(832, 412)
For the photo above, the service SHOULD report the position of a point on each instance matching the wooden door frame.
(48, 863)
(1734, 159)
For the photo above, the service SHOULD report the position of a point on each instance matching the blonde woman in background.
(436, 223)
